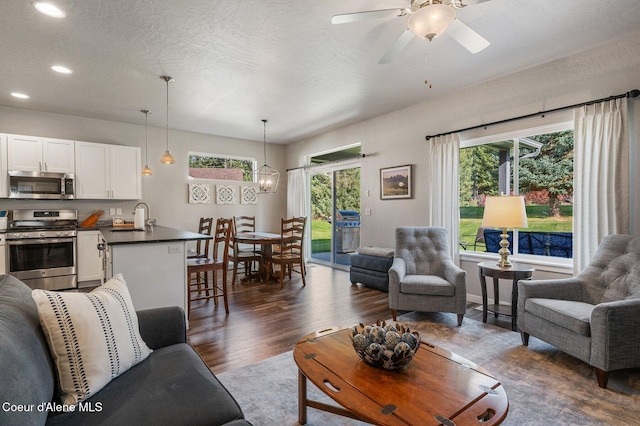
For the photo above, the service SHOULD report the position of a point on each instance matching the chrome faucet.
(148, 222)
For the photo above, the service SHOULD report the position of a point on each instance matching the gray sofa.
(594, 316)
(172, 386)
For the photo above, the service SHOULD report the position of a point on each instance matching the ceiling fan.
(427, 19)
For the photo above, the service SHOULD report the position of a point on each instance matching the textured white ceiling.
(237, 62)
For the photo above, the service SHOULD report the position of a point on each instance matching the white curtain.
(601, 176)
(444, 209)
(296, 193)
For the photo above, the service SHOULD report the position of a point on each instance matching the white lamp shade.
(430, 21)
(505, 212)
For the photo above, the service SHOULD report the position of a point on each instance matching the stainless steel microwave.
(41, 185)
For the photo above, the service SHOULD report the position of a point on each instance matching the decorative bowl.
(384, 345)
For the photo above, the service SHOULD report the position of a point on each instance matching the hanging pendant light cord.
(146, 137)
(167, 80)
(264, 138)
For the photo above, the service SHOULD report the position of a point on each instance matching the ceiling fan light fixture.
(431, 20)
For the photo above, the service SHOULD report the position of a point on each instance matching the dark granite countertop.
(158, 235)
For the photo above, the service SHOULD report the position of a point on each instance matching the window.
(219, 167)
(535, 164)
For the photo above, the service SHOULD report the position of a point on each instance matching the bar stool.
(219, 262)
(202, 249)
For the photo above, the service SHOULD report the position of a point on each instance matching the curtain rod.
(632, 94)
(328, 162)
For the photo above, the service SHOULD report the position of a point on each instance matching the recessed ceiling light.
(49, 9)
(61, 69)
(19, 95)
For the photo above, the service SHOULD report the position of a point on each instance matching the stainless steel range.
(41, 248)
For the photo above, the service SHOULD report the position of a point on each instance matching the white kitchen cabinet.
(31, 153)
(126, 172)
(90, 259)
(4, 185)
(59, 155)
(108, 171)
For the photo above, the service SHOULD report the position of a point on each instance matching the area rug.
(544, 385)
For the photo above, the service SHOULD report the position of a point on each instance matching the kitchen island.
(153, 263)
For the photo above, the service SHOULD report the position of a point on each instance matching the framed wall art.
(248, 195)
(226, 194)
(395, 183)
(199, 193)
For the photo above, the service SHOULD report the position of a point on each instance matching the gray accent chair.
(423, 276)
(594, 316)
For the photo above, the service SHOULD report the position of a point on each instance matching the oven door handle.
(39, 241)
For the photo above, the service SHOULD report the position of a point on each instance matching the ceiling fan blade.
(467, 37)
(365, 16)
(397, 47)
(470, 2)
(458, 4)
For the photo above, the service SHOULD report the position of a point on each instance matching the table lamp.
(504, 212)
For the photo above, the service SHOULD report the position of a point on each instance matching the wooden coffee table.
(437, 387)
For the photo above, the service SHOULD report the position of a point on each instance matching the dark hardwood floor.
(265, 321)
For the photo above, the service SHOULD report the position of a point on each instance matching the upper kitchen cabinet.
(126, 172)
(108, 171)
(34, 154)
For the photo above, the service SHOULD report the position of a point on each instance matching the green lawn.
(320, 236)
(533, 212)
(469, 223)
(537, 218)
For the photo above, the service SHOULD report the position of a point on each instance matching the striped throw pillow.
(93, 337)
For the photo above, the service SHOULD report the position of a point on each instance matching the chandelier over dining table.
(267, 177)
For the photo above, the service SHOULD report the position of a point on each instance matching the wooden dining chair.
(291, 251)
(243, 254)
(219, 262)
(202, 250)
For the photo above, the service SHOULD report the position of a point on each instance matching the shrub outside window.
(220, 167)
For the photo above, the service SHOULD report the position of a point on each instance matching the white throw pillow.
(93, 337)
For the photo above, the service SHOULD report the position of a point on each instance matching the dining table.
(265, 240)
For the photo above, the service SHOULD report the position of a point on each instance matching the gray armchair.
(423, 277)
(594, 316)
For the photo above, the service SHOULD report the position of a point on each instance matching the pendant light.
(147, 170)
(167, 158)
(267, 177)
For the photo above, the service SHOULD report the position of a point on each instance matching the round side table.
(517, 271)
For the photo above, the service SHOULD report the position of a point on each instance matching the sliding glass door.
(335, 213)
